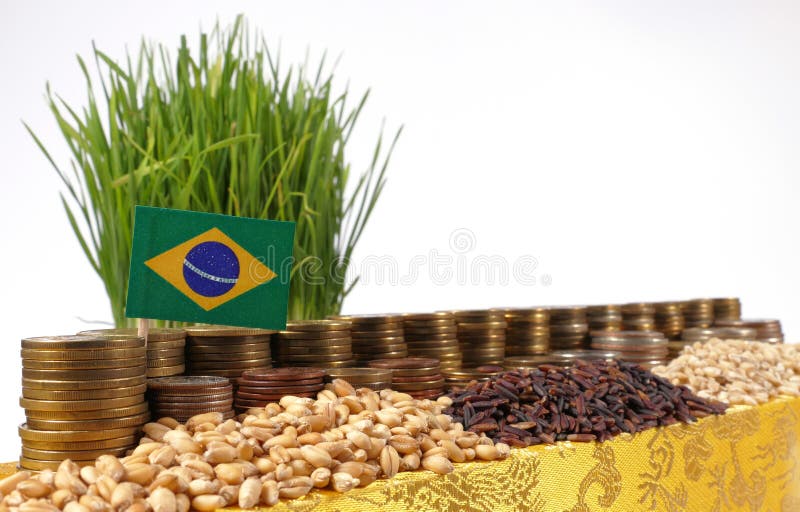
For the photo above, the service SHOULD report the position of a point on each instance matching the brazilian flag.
(209, 268)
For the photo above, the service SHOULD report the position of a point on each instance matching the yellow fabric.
(745, 460)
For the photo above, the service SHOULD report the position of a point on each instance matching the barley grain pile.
(736, 371)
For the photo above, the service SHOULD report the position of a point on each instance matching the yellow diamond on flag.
(211, 269)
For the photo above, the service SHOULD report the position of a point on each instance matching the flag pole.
(144, 329)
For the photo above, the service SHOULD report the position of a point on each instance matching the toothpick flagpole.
(144, 329)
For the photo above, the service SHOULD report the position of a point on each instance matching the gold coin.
(82, 342)
(164, 353)
(80, 405)
(166, 371)
(228, 365)
(370, 335)
(436, 315)
(311, 335)
(104, 444)
(224, 341)
(36, 454)
(230, 358)
(315, 357)
(101, 424)
(330, 364)
(369, 320)
(377, 328)
(228, 349)
(89, 364)
(318, 325)
(331, 342)
(41, 465)
(379, 347)
(79, 385)
(307, 351)
(83, 375)
(80, 355)
(202, 331)
(153, 334)
(87, 394)
(28, 434)
(166, 345)
(230, 374)
(99, 414)
(167, 362)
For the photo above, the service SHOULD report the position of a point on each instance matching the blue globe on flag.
(211, 269)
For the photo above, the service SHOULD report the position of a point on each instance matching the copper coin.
(378, 335)
(421, 378)
(270, 399)
(428, 331)
(385, 347)
(286, 390)
(192, 405)
(421, 395)
(284, 374)
(277, 383)
(196, 382)
(242, 395)
(316, 358)
(375, 328)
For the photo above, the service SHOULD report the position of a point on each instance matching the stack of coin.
(372, 378)
(433, 335)
(669, 319)
(698, 313)
(647, 348)
(694, 334)
(257, 388)
(568, 327)
(165, 349)
(318, 343)
(83, 396)
(420, 377)
(376, 337)
(481, 336)
(559, 358)
(184, 396)
(768, 331)
(638, 316)
(727, 308)
(528, 331)
(226, 351)
(607, 317)
(462, 378)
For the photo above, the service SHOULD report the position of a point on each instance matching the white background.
(637, 150)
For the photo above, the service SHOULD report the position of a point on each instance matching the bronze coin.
(321, 358)
(227, 349)
(163, 363)
(81, 385)
(421, 395)
(154, 334)
(286, 374)
(422, 378)
(191, 398)
(82, 342)
(388, 337)
(228, 365)
(87, 394)
(193, 405)
(309, 351)
(84, 375)
(225, 341)
(375, 329)
(317, 325)
(81, 355)
(245, 395)
(404, 363)
(251, 392)
(84, 365)
(368, 320)
(215, 331)
(277, 383)
(387, 347)
(165, 371)
(428, 331)
(270, 399)
(186, 383)
(435, 315)
(164, 353)
(429, 337)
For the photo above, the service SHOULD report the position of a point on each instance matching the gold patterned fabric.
(745, 460)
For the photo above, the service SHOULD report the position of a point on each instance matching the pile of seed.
(592, 400)
(736, 371)
(346, 438)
